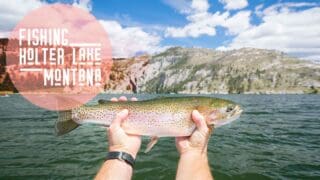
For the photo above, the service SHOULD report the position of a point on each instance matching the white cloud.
(183, 6)
(283, 28)
(84, 4)
(289, 6)
(238, 23)
(4, 34)
(188, 6)
(11, 12)
(200, 6)
(258, 10)
(202, 22)
(234, 4)
(127, 42)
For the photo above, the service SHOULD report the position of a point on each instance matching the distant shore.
(7, 92)
(245, 93)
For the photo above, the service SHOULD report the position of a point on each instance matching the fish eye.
(230, 108)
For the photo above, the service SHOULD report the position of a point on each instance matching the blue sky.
(219, 24)
(159, 13)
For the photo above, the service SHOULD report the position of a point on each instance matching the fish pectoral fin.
(153, 141)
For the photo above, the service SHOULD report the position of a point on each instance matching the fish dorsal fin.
(153, 141)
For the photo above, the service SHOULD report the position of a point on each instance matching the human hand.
(119, 140)
(198, 141)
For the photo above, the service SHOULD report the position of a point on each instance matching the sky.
(151, 26)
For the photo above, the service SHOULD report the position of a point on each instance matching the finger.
(199, 120)
(114, 99)
(181, 143)
(134, 99)
(123, 98)
(121, 116)
(180, 139)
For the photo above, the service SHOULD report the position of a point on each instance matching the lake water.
(277, 137)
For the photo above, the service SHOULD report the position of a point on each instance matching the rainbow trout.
(160, 117)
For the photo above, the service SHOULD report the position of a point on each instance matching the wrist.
(114, 165)
(121, 156)
(119, 163)
(194, 154)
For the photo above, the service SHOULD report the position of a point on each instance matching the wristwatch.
(123, 156)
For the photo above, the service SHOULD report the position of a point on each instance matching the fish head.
(223, 112)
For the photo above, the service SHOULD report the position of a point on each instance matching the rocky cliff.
(194, 70)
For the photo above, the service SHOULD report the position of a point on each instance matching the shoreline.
(245, 93)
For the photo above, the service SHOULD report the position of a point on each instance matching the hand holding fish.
(198, 141)
(121, 142)
(193, 163)
(159, 117)
(118, 139)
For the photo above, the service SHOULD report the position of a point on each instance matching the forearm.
(193, 165)
(114, 169)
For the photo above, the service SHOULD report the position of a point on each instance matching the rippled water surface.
(277, 137)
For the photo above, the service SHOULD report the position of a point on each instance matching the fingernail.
(198, 115)
(114, 99)
(123, 98)
(196, 112)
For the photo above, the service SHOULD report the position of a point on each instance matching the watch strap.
(123, 156)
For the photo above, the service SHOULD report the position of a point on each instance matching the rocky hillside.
(194, 70)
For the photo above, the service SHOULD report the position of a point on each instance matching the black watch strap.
(123, 156)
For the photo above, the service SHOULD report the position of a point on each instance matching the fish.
(159, 117)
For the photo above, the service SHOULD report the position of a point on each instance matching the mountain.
(196, 70)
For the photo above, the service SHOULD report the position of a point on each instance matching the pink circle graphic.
(59, 57)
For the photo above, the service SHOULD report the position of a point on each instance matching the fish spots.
(159, 117)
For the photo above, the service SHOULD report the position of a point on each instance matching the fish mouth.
(229, 117)
(237, 111)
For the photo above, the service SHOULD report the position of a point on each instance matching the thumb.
(199, 120)
(121, 116)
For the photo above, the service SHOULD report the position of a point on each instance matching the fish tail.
(65, 124)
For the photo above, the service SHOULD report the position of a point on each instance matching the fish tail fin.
(65, 124)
